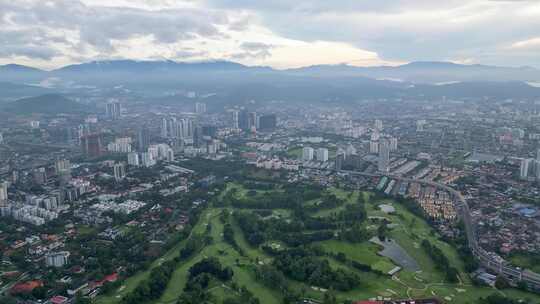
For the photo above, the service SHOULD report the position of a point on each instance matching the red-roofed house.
(58, 300)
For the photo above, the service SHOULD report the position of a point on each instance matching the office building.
(267, 122)
(133, 159)
(322, 154)
(119, 171)
(307, 153)
(113, 110)
(384, 156)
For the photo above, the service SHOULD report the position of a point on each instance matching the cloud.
(529, 44)
(274, 32)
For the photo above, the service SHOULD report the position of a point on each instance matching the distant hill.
(103, 72)
(12, 91)
(425, 72)
(45, 104)
(20, 73)
(134, 66)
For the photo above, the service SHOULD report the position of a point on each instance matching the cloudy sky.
(278, 33)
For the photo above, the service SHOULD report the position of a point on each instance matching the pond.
(396, 253)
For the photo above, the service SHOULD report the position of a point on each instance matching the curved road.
(486, 259)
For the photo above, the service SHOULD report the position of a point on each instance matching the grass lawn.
(295, 152)
(243, 273)
(408, 233)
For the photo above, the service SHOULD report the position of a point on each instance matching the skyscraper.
(91, 145)
(253, 121)
(113, 110)
(143, 139)
(235, 119)
(384, 156)
(63, 169)
(268, 122)
(243, 120)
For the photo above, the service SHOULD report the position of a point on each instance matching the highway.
(486, 260)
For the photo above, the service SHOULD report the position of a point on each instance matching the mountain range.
(416, 72)
(233, 82)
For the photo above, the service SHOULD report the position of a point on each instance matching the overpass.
(486, 260)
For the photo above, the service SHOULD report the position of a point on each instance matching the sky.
(279, 33)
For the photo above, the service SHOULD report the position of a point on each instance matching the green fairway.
(407, 230)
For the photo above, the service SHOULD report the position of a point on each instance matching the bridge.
(486, 260)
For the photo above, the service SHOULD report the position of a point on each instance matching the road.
(487, 260)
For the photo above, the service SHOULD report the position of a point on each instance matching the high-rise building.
(253, 121)
(3, 194)
(340, 159)
(143, 139)
(268, 122)
(393, 143)
(384, 156)
(378, 124)
(235, 119)
(113, 110)
(91, 145)
(525, 168)
(147, 159)
(420, 125)
(164, 131)
(307, 153)
(169, 155)
(374, 146)
(243, 120)
(119, 171)
(209, 130)
(120, 145)
(1, 138)
(200, 107)
(322, 154)
(133, 159)
(63, 170)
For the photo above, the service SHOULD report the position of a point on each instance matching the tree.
(501, 282)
